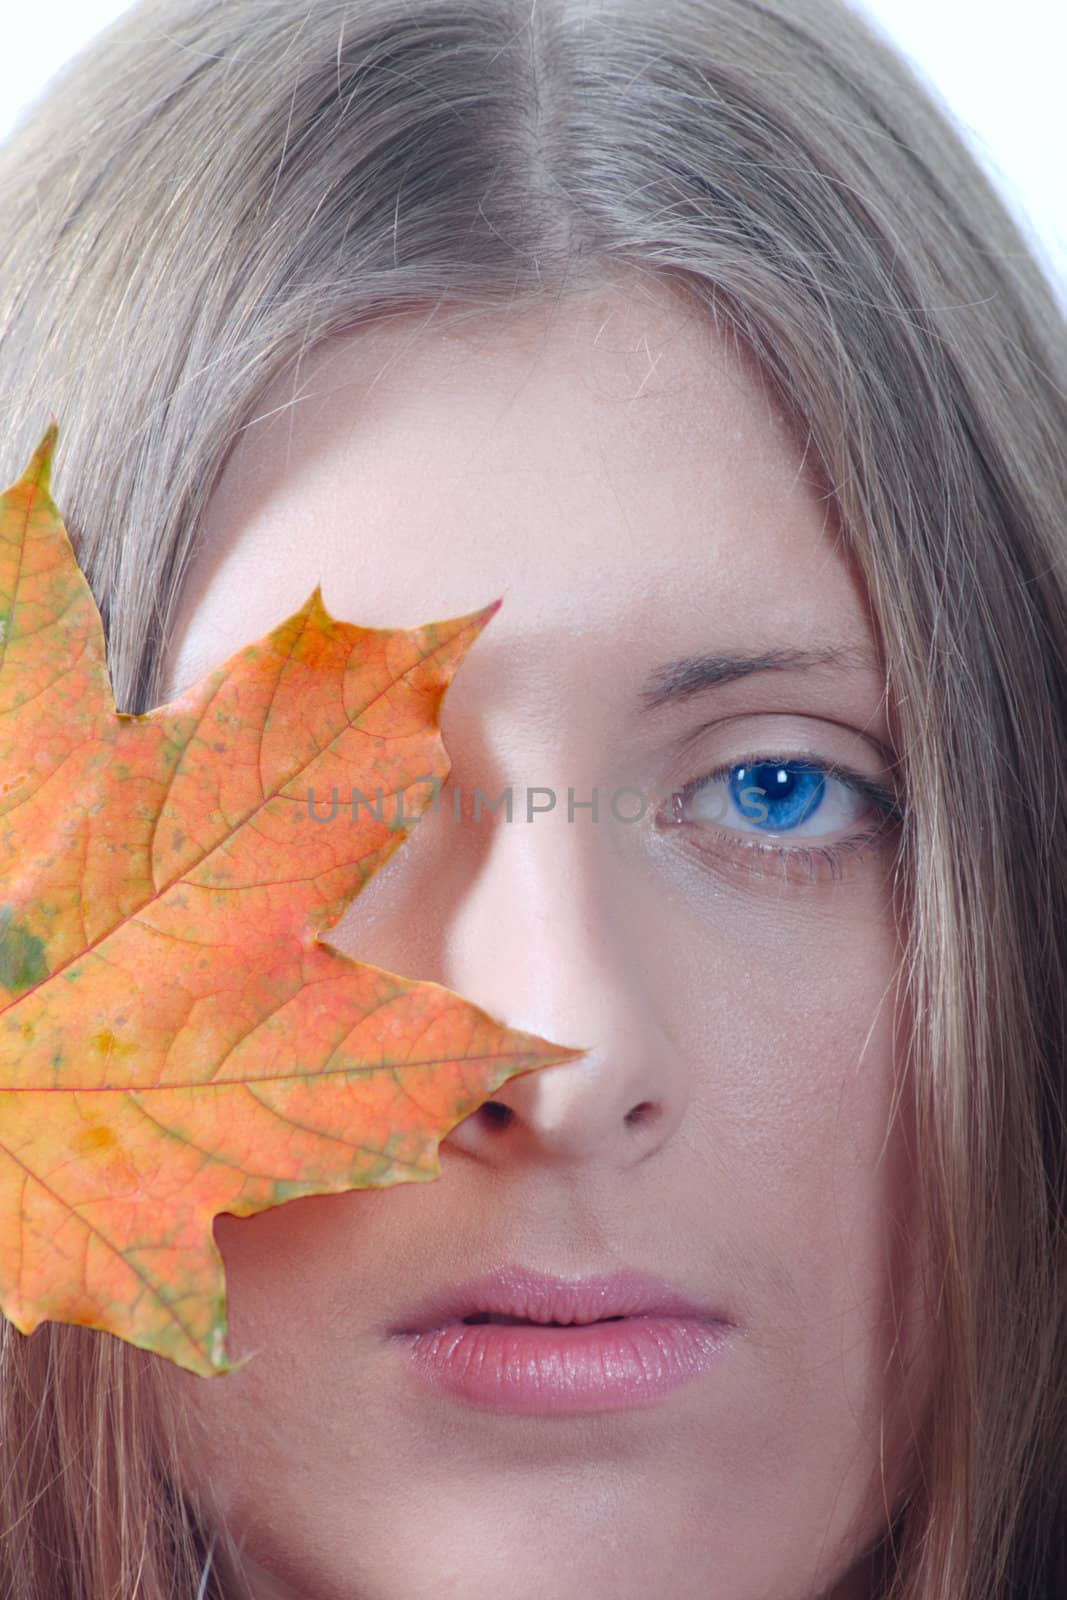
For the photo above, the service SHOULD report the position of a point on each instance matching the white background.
(1000, 70)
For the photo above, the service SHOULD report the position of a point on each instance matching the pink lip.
(662, 1340)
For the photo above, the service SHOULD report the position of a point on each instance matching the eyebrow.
(684, 676)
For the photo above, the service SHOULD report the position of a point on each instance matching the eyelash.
(808, 860)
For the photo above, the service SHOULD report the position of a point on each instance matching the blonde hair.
(210, 190)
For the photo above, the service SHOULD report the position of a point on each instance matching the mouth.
(520, 1340)
(500, 1361)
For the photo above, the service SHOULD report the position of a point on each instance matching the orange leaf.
(175, 1038)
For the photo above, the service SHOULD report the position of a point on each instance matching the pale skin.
(611, 469)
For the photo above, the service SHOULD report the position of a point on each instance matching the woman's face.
(611, 469)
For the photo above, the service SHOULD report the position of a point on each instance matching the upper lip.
(518, 1291)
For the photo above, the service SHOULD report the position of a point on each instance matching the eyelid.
(769, 733)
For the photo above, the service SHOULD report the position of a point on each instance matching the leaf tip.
(477, 620)
(39, 470)
(574, 1054)
(217, 1350)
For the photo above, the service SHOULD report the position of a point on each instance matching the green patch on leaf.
(22, 959)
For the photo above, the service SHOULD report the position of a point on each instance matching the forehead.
(607, 463)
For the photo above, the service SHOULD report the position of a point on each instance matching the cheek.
(254, 1424)
(784, 997)
(788, 1001)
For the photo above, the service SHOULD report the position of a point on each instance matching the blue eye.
(787, 798)
(779, 796)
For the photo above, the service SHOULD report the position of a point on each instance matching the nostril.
(496, 1113)
(644, 1112)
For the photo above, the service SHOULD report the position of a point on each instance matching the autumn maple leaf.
(175, 1038)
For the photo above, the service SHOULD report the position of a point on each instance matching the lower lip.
(601, 1366)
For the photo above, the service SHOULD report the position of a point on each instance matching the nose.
(538, 922)
(540, 939)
